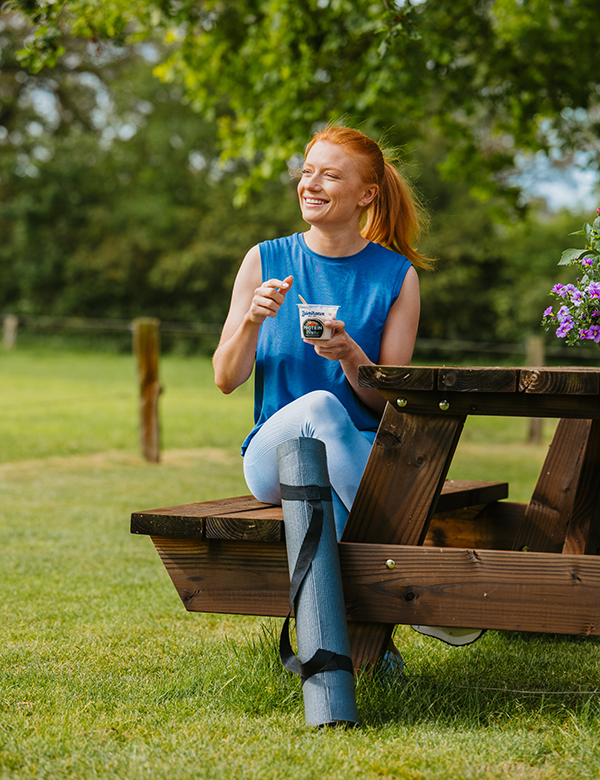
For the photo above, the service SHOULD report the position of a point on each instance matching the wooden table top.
(500, 390)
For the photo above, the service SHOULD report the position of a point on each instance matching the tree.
(494, 76)
(113, 203)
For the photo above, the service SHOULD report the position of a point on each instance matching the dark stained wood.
(403, 478)
(549, 512)
(244, 517)
(255, 529)
(500, 404)
(220, 506)
(237, 577)
(396, 498)
(489, 526)
(403, 503)
(165, 525)
(399, 377)
(505, 590)
(560, 381)
(583, 532)
(478, 380)
(554, 593)
(459, 493)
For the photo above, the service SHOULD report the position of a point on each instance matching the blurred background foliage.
(116, 199)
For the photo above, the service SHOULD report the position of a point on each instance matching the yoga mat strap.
(322, 660)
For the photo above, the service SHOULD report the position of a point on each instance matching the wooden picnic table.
(418, 548)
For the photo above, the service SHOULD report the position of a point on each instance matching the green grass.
(103, 674)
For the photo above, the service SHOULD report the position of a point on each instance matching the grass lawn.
(103, 674)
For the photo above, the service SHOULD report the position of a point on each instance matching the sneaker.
(390, 668)
(457, 637)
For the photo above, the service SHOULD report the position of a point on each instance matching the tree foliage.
(493, 76)
(113, 202)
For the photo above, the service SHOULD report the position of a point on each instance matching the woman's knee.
(323, 406)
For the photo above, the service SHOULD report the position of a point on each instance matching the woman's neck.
(341, 243)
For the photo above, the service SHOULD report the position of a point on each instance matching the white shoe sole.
(457, 637)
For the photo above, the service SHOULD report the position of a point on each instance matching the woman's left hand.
(338, 347)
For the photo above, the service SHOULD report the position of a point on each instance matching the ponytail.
(396, 219)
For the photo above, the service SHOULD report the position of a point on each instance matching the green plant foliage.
(493, 77)
(113, 201)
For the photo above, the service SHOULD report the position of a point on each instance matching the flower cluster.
(578, 318)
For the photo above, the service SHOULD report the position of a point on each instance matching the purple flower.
(559, 290)
(577, 297)
(548, 312)
(563, 314)
(587, 261)
(594, 333)
(593, 290)
(563, 329)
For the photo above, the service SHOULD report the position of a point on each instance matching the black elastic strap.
(322, 660)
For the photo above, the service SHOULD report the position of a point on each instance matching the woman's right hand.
(268, 298)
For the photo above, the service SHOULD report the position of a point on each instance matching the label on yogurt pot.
(313, 318)
(312, 329)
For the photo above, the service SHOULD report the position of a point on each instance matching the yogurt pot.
(312, 320)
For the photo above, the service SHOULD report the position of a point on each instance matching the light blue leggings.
(318, 415)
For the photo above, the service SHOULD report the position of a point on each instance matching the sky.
(574, 188)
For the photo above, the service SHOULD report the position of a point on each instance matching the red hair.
(395, 218)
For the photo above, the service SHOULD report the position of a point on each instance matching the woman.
(358, 255)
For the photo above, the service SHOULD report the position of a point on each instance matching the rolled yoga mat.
(316, 586)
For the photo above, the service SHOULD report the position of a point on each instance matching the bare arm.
(252, 301)
(397, 341)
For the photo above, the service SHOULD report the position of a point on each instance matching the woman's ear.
(369, 196)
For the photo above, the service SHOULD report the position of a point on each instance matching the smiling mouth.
(315, 202)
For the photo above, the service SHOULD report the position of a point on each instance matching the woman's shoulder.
(284, 242)
(391, 256)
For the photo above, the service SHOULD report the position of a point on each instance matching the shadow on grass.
(527, 678)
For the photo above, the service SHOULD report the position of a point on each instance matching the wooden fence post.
(535, 357)
(146, 345)
(9, 331)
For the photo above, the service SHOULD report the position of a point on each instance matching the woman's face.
(331, 190)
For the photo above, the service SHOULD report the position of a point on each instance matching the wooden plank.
(220, 506)
(478, 380)
(501, 404)
(497, 589)
(403, 478)
(429, 586)
(196, 520)
(488, 526)
(549, 511)
(246, 518)
(583, 531)
(237, 577)
(396, 498)
(399, 377)
(560, 381)
(459, 493)
(253, 529)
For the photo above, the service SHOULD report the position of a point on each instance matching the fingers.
(335, 348)
(268, 298)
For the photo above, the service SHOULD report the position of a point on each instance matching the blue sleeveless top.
(364, 286)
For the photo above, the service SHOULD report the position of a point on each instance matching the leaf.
(569, 255)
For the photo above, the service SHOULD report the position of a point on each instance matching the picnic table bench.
(418, 548)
